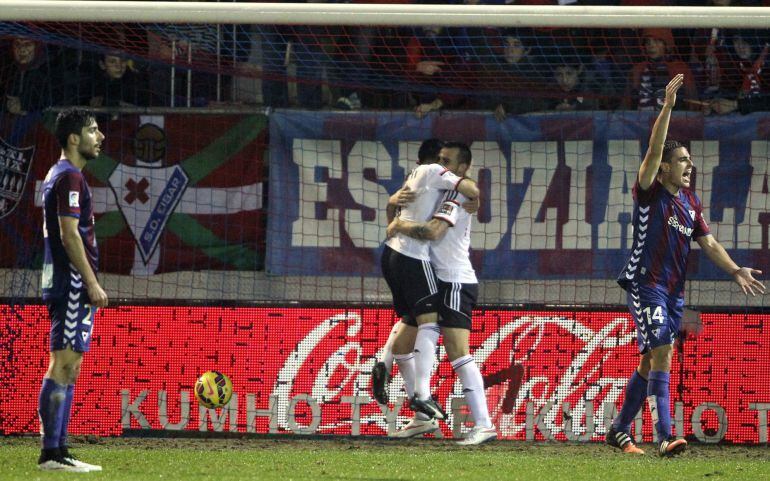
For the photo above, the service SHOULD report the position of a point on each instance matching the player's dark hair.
(71, 121)
(429, 151)
(668, 147)
(464, 156)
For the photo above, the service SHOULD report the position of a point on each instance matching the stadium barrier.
(554, 374)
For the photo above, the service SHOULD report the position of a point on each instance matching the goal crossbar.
(379, 14)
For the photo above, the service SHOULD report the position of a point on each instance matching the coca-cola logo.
(538, 359)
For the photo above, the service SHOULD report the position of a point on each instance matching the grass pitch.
(287, 458)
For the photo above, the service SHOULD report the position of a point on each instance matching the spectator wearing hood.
(650, 75)
(28, 85)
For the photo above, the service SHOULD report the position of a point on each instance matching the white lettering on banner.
(750, 231)
(578, 156)
(363, 156)
(534, 160)
(536, 417)
(540, 159)
(307, 230)
(487, 156)
(705, 154)
(623, 159)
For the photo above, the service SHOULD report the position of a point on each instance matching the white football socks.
(387, 350)
(473, 388)
(425, 357)
(406, 368)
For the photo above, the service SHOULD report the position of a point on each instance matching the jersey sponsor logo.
(683, 229)
(15, 163)
(74, 199)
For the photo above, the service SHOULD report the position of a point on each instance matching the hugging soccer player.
(667, 217)
(70, 288)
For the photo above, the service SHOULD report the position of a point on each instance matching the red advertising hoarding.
(549, 374)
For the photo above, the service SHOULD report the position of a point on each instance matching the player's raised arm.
(652, 159)
(743, 276)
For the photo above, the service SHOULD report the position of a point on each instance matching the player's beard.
(88, 154)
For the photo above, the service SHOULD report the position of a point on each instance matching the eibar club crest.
(14, 171)
(692, 214)
(147, 194)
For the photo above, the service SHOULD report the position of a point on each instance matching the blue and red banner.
(556, 188)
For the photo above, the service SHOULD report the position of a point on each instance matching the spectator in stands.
(182, 51)
(649, 77)
(571, 92)
(389, 86)
(434, 64)
(742, 73)
(603, 76)
(118, 85)
(519, 77)
(28, 87)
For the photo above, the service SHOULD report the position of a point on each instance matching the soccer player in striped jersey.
(449, 233)
(69, 283)
(409, 274)
(668, 215)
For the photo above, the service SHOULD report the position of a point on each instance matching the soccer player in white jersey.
(409, 274)
(449, 233)
(381, 373)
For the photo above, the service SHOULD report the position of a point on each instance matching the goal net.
(242, 187)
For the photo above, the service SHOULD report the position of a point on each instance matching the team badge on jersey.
(692, 214)
(447, 208)
(14, 169)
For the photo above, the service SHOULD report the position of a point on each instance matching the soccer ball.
(213, 389)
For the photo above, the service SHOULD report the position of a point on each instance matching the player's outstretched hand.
(745, 278)
(671, 89)
(98, 296)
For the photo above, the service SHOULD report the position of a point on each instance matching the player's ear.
(73, 139)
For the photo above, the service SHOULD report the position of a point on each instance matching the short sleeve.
(645, 196)
(449, 209)
(440, 178)
(69, 194)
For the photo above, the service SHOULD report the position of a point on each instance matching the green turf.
(302, 459)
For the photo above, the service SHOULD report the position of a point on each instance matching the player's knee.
(454, 352)
(660, 358)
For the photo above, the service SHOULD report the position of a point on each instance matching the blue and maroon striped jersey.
(65, 193)
(664, 226)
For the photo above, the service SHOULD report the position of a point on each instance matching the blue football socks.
(51, 409)
(636, 392)
(658, 399)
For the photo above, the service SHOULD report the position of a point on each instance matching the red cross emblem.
(136, 191)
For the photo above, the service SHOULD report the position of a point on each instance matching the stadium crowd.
(502, 70)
